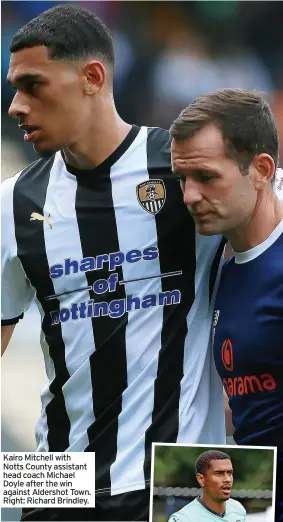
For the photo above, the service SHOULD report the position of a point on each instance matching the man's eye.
(31, 87)
(205, 179)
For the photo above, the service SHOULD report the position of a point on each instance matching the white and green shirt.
(196, 511)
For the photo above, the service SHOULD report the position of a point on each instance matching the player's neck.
(99, 141)
(217, 507)
(267, 215)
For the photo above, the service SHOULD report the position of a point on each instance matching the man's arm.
(6, 334)
(16, 290)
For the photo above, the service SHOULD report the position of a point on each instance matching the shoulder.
(25, 183)
(177, 517)
(185, 514)
(156, 133)
(180, 516)
(34, 171)
(20, 183)
(236, 506)
(7, 186)
(7, 190)
(159, 147)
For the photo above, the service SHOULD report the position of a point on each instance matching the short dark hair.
(204, 459)
(244, 117)
(69, 32)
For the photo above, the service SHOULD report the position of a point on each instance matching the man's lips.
(201, 215)
(31, 132)
(31, 136)
(28, 128)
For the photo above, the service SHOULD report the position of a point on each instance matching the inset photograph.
(199, 483)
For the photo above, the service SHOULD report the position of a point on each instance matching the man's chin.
(223, 498)
(44, 152)
(207, 229)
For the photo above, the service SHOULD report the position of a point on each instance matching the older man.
(225, 150)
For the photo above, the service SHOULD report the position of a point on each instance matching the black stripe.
(98, 234)
(29, 196)
(176, 243)
(215, 266)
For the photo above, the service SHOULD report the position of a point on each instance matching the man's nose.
(18, 108)
(192, 193)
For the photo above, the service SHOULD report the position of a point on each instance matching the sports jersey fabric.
(125, 289)
(197, 511)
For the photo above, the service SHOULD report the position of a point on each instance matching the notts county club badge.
(151, 195)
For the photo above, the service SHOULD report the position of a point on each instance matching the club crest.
(151, 195)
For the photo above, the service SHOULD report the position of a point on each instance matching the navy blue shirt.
(248, 346)
(248, 341)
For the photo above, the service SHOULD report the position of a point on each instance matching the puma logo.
(35, 216)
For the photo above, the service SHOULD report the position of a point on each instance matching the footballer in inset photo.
(206, 484)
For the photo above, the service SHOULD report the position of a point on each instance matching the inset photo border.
(176, 482)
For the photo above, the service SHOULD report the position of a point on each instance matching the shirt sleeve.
(178, 517)
(17, 292)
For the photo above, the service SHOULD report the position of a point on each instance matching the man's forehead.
(199, 159)
(31, 60)
(37, 55)
(196, 155)
(206, 141)
(221, 465)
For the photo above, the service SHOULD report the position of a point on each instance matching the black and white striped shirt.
(124, 286)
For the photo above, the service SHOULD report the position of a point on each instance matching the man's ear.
(94, 76)
(262, 170)
(200, 479)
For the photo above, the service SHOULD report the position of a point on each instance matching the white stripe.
(201, 387)
(26, 294)
(143, 332)
(62, 242)
(41, 429)
(17, 293)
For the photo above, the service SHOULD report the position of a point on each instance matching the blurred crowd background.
(167, 53)
(175, 484)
